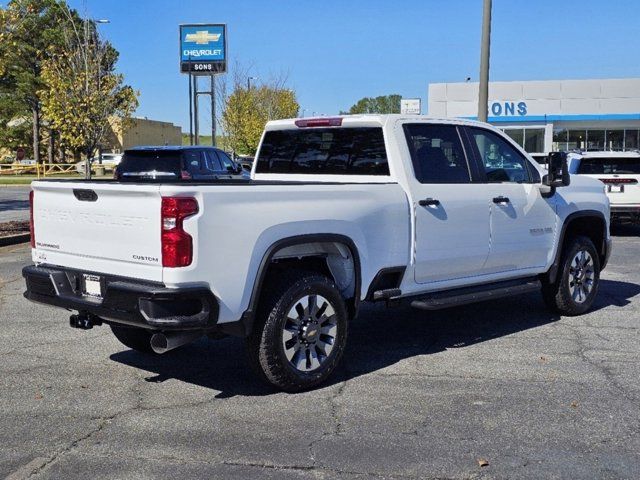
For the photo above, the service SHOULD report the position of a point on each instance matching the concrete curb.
(15, 239)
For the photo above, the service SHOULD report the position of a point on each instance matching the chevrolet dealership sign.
(203, 48)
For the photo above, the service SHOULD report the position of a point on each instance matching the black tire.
(558, 295)
(266, 347)
(135, 338)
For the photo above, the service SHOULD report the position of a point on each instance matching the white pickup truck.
(338, 211)
(620, 172)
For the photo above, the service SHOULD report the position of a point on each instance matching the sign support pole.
(213, 110)
(195, 111)
(190, 111)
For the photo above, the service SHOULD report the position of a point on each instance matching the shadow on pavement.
(380, 337)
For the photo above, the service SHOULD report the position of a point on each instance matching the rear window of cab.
(324, 151)
(610, 165)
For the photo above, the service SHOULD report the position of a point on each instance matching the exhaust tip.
(164, 342)
(159, 343)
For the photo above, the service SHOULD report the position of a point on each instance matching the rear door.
(99, 227)
(451, 212)
(523, 223)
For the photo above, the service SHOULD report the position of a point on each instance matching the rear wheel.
(300, 331)
(135, 338)
(576, 284)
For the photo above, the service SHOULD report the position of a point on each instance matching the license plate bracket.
(91, 286)
(616, 188)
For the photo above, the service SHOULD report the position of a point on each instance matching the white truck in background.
(620, 173)
(338, 211)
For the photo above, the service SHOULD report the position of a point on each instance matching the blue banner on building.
(203, 49)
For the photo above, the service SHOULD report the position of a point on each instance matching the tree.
(82, 92)
(382, 104)
(245, 111)
(29, 29)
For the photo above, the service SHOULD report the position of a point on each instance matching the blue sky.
(336, 52)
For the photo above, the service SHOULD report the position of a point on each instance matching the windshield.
(610, 165)
(150, 164)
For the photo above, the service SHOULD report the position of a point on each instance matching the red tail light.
(177, 245)
(319, 122)
(31, 228)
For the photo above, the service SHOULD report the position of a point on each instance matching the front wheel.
(300, 331)
(576, 284)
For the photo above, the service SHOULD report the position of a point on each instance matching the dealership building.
(545, 116)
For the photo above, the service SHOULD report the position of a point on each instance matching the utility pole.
(213, 110)
(483, 94)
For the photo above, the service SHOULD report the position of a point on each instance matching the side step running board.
(438, 300)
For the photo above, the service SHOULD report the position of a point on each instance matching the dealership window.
(577, 140)
(560, 136)
(631, 139)
(595, 140)
(531, 139)
(534, 140)
(517, 134)
(615, 140)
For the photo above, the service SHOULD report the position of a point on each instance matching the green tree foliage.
(246, 111)
(29, 29)
(82, 94)
(382, 104)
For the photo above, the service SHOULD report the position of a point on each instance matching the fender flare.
(555, 266)
(247, 319)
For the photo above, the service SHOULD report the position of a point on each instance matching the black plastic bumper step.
(464, 296)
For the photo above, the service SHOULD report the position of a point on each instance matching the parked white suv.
(620, 172)
(338, 211)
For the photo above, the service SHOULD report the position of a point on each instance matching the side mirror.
(558, 175)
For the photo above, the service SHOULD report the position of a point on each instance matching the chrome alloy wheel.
(309, 332)
(581, 274)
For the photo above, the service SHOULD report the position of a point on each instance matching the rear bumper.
(625, 213)
(125, 300)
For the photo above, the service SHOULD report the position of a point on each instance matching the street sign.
(203, 49)
(410, 106)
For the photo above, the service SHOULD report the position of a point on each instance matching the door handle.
(429, 202)
(501, 199)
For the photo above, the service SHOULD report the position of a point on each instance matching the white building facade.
(545, 116)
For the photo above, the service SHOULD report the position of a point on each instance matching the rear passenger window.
(437, 153)
(324, 151)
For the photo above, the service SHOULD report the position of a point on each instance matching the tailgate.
(104, 228)
(622, 189)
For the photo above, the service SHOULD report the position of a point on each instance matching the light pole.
(485, 47)
(249, 82)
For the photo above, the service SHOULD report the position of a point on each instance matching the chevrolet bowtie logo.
(202, 37)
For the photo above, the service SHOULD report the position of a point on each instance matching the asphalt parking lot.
(14, 203)
(418, 396)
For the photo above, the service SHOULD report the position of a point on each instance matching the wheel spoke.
(291, 351)
(299, 360)
(329, 329)
(313, 305)
(313, 359)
